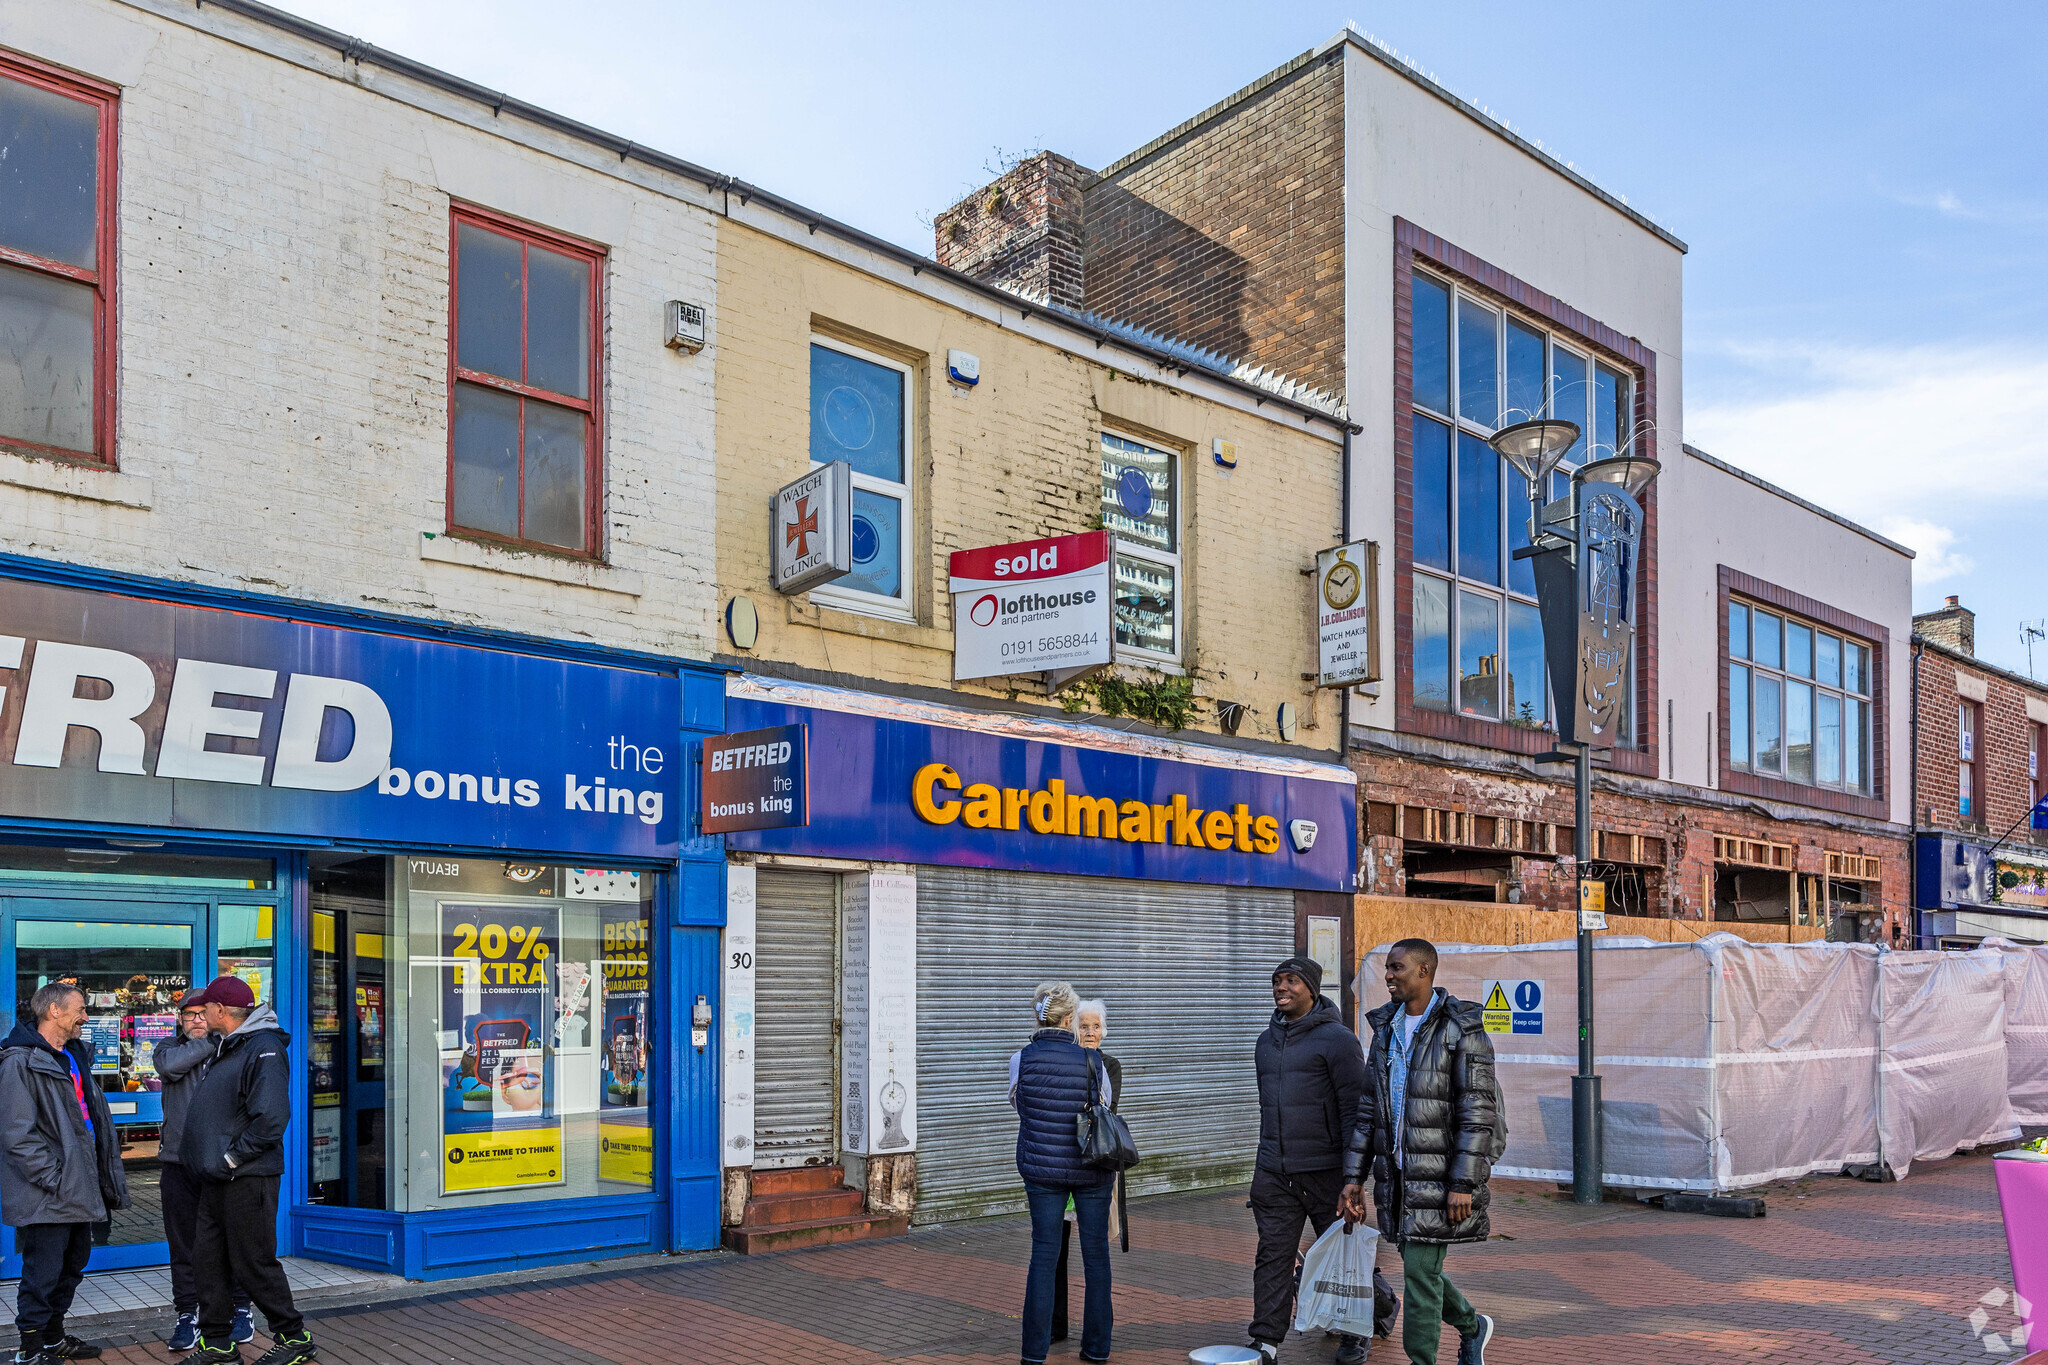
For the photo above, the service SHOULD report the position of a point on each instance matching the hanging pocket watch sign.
(1347, 615)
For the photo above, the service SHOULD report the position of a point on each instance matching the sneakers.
(214, 1353)
(1351, 1350)
(244, 1328)
(1269, 1352)
(291, 1350)
(1472, 1349)
(186, 1334)
(68, 1347)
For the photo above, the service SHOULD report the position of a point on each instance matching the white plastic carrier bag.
(1336, 1281)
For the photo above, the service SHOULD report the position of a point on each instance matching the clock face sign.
(1341, 585)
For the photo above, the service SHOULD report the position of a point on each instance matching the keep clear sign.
(1512, 1006)
(501, 1125)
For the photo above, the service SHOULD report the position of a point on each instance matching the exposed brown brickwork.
(1023, 229)
(1408, 804)
(1230, 234)
(2005, 730)
(1953, 627)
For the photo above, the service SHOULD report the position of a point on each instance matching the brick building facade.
(1980, 735)
(1350, 219)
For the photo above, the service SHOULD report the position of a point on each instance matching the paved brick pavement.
(1840, 1271)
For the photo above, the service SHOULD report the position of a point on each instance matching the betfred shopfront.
(881, 957)
(454, 863)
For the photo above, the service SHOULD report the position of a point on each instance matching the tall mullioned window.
(1141, 506)
(1799, 700)
(56, 264)
(860, 403)
(1478, 640)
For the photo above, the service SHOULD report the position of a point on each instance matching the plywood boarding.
(1385, 919)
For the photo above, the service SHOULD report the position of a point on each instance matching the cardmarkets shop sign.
(927, 783)
(129, 710)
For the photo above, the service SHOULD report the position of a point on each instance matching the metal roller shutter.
(1182, 972)
(796, 992)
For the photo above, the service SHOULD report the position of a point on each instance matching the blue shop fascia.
(1968, 891)
(456, 862)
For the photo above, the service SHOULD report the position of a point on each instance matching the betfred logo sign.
(1037, 606)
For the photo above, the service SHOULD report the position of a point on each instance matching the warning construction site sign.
(1512, 1006)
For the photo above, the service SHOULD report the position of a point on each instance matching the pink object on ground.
(2023, 1198)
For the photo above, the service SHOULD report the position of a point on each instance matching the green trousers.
(1430, 1302)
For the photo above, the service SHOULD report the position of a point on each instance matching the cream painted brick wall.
(283, 235)
(1016, 458)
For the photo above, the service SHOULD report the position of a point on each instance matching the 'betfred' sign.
(1037, 606)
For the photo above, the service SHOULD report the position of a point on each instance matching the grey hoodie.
(181, 1062)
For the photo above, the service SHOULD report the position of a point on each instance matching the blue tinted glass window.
(1432, 494)
(1528, 698)
(1738, 631)
(1827, 745)
(1524, 396)
(1139, 496)
(49, 174)
(1478, 509)
(1798, 732)
(1738, 715)
(1432, 344)
(1478, 363)
(1770, 752)
(1432, 643)
(1521, 572)
(1767, 639)
(1855, 763)
(877, 544)
(1798, 649)
(1606, 434)
(1828, 661)
(1568, 394)
(1479, 670)
(856, 414)
(1856, 670)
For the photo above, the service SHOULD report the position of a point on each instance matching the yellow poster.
(505, 1160)
(625, 1152)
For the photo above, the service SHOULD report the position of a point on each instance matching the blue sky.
(1864, 186)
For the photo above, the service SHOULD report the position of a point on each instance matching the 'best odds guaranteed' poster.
(500, 1127)
(625, 1137)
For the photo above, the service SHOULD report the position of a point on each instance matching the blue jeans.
(1048, 1211)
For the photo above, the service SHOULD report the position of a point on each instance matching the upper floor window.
(1969, 770)
(1141, 507)
(56, 258)
(524, 453)
(1478, 641)
(859, 413)
(1798, 700)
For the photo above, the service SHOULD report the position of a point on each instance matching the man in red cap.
(234, 1143)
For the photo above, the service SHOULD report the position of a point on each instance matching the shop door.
(132, 959)
(1182, 973)
(796, 1007)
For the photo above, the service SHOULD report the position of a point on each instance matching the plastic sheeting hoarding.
(1728, 1064)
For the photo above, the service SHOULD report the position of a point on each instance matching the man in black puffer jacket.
(234, 1142)
(1311, 1076)
(1426, 1127)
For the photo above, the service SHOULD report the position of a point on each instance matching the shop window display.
(485, 1026)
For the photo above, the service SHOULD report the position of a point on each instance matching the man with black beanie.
(1311, 1075)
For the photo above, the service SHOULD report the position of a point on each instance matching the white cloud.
(1934, 546)
(1920, 433)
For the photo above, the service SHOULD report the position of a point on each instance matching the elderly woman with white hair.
(1052, 1079)
(1091, 1023)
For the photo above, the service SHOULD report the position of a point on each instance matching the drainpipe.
(1913, 805)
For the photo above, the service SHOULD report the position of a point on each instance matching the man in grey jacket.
(180, 1062)
(60, 1168)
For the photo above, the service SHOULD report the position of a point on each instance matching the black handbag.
(1105, 1138)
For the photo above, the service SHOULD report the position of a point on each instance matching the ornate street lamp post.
(1584, 547)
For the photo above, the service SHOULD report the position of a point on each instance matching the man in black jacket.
(1311, 1076)
(60, 1167)
(1426, 1127)
(234, 1143)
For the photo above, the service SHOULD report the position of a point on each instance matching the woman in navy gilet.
(1051, 1081)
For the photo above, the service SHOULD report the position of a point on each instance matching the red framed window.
(524, 448)
(56, 263)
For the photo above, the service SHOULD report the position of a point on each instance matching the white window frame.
(1166, 662)
(1866, 757)
(1504, 593)
(903, 607)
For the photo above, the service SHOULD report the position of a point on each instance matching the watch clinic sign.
(128, 710)
(1037, 606)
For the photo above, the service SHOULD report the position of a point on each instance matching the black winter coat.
(1449, 1135)
(1311, 1075)
(242, 1105)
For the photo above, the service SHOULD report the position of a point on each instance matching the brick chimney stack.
(1024, 228)
(1955, 626)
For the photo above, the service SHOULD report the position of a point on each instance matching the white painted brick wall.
(283, 337)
